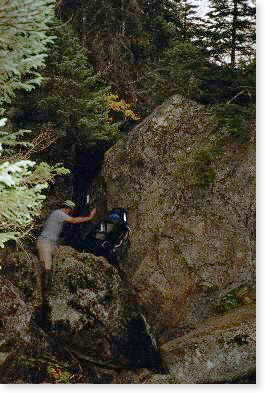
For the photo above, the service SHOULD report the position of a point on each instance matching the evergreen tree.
(112, 31)
(72, 100)
(187, 19)
(180, 71)
(23, 43)
(113, 16)
(23, 48)
(154, 24)
(22, 182)
(230, 34)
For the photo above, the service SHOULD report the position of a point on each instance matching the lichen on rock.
(191, 213)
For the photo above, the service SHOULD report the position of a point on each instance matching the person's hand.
(93, 213)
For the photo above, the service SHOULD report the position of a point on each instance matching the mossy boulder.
(95, 323)
(191, 204)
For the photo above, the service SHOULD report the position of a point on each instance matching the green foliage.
(227, 124)
(10, 139)
(156, 48)
(23, 44)
(180, 71)
(18, 207)
(187, 22)
(102, 16)
(232, 120)
(221, 84)
(72, 99)
(231, 125)
(12, 174)
(45, 173)
(230, 30)
(23, 48)
(183, 65)
(126, 39)
(21, 185)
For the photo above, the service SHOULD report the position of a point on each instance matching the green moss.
(229, 124)
(197, 166)
(203, 172)
(236, 298)
(229, 302)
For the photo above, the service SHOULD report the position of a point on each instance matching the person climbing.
(46, 246)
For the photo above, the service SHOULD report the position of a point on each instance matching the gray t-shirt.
(53, 226)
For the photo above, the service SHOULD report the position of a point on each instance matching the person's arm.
(80, 220)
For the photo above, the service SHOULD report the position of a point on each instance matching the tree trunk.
(123, 22)
(234, 33)
(83, 26)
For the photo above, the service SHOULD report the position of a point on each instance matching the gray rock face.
(17, 302)
(15, 314)
(94, 317)
(88, 303)
(191, 242)
(221, 349)
(191, 257)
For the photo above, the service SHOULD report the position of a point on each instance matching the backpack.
(108, 237)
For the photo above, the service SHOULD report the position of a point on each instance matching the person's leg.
(45, 250)
(49, 268)
(39, 272)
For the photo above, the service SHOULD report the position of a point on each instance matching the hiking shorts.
(46, 250)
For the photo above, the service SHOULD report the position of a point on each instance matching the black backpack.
(108, 237)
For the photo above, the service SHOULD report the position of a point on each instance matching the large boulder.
(94, 319)
(220, 350)
(191, 213)
(94, 312)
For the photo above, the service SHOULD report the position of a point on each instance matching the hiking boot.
(41, 317)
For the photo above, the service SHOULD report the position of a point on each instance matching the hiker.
(46, 246)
